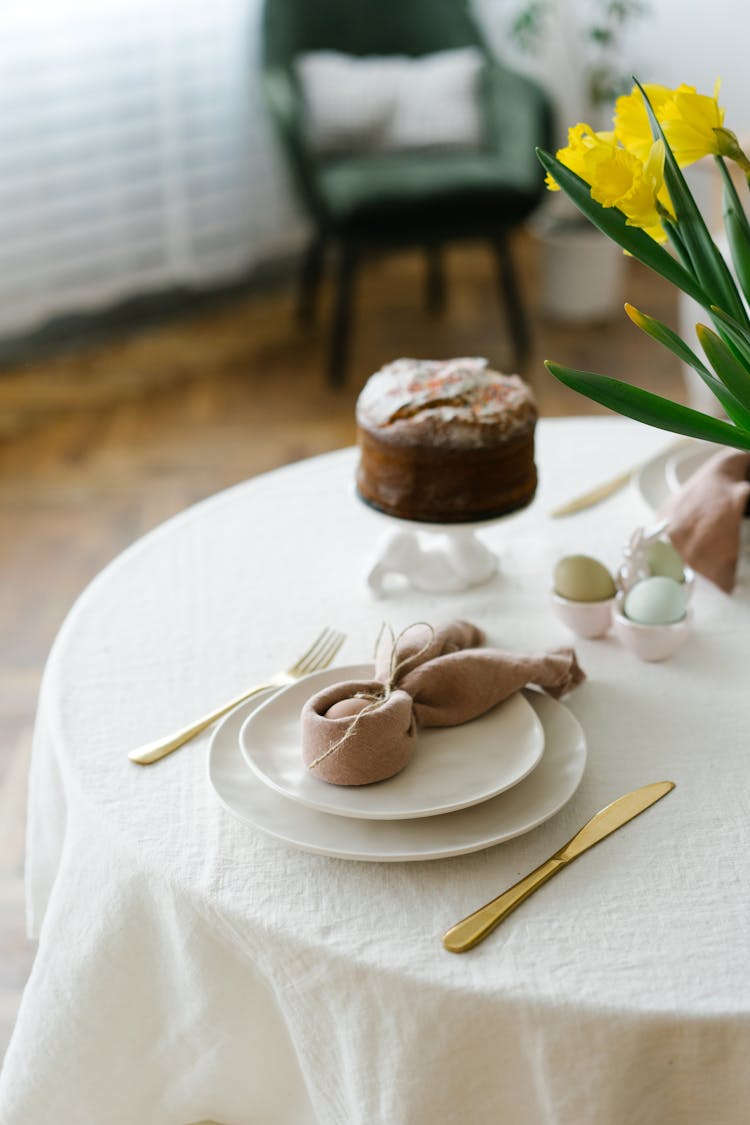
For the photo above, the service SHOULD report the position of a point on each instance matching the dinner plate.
(682, 465)
(451, 768)
(528, 804)
(666, 473)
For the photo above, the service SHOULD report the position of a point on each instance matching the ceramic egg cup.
(650, 642)
(593, 620)
(586, 619)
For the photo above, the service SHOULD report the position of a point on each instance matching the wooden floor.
(99, 444)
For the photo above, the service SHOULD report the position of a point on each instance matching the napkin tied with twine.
(355, 733)
(705, 517)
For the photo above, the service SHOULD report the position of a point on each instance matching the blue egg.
(656, 601)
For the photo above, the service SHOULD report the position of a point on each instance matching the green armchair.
(360, 203)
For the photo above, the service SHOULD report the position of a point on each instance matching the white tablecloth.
(190, 967)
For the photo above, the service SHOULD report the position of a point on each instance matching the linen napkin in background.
(705, 516)
(355, 733)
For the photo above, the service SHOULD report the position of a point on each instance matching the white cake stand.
(436, 557)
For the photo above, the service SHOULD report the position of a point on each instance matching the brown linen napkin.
(356, 733)
(705, 516)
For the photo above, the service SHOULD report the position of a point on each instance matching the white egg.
(656, 601)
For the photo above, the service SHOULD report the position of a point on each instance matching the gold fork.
(318, 656)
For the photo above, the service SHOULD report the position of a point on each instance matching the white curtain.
(135, 152)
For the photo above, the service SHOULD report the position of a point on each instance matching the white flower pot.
(580, 273)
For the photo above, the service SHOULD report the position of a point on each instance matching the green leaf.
(733, 334)
(731, 192)
(613, 223)
(653, 410)
(677, 242)
(737, 229)
(739, 247)
(735, 408)
(709, 266)
(667, 336)
(732, 373)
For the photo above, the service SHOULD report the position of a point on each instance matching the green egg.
(579, 578)
(664, 560)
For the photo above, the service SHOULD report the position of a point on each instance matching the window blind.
(135, 151)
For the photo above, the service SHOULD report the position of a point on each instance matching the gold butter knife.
(475, 927)
(614, 484)
(596, 495)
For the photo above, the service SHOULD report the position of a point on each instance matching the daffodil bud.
(728, 145)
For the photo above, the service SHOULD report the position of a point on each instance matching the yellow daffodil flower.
(584, 149)
(632, 127)
(635, 187)
(618, 178)
(690, 122)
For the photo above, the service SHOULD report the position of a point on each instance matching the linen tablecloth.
(190, 967)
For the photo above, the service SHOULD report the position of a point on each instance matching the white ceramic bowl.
(650, 642)
(586, 619)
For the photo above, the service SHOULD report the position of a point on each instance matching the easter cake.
(446, 441)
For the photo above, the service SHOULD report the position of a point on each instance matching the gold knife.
(609, 487)
(596, 495)
(475, 927)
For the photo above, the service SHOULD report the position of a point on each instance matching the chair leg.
(510, 292)
(435, 281)
(309, 281)
(341, 327)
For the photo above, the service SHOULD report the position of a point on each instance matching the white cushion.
(389, 102)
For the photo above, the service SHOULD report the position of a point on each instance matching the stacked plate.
(466, 787)
(667, 472)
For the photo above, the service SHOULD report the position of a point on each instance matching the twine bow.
(396, 668)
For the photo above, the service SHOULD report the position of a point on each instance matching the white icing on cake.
(453, 397)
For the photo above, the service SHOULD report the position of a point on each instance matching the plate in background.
(682, 465)
(665, 473)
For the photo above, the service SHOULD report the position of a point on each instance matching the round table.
(190, 967)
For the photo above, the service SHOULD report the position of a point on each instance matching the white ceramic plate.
(452, 767)
(681, 465)
(667, 472)
(534, 800)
